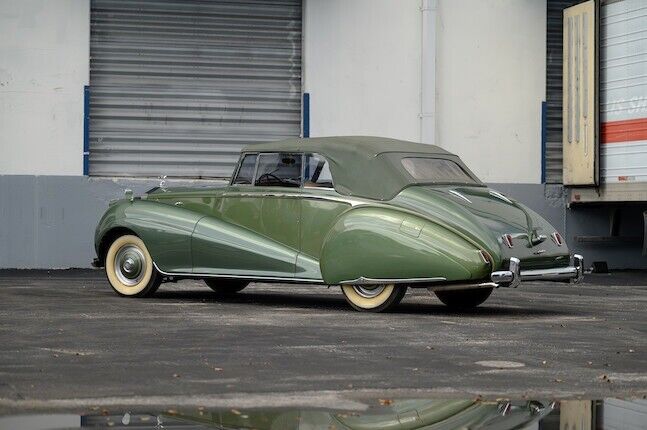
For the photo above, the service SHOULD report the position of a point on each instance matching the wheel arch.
(108, 238)
(165, 229)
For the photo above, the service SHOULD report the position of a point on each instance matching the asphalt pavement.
(67, 341)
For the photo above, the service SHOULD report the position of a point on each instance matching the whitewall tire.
(129, 268)
(373, 298)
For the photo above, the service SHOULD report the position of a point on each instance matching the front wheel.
(464, 299)
(373, 298)
(225, 287)
(129, 268)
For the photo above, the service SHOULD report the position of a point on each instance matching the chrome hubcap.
(130, 265)
(369, 291)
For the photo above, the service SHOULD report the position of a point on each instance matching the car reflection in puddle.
(383, 414)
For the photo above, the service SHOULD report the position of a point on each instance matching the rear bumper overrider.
(512, 277)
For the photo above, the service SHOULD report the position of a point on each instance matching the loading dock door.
(178, 87)
(580, 102)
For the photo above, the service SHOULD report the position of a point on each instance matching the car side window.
(246, 171)
(317, 172)
(279, 170)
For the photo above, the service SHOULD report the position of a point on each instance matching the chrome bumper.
(512, 277)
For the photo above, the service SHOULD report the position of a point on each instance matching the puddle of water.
(380, 414)
(501, 364)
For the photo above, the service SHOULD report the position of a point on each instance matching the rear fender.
(382, 243)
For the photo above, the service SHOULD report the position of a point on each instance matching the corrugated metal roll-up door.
(554, 65)
(177, 87)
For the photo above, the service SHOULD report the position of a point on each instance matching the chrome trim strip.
(459, 195)
(500, 196)
(314, 187)
(222, 275)
(350, 201)
(510, 278)
(453, 287)
(372, 281)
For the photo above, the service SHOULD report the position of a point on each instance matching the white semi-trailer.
(619, 157)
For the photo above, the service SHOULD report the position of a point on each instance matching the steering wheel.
(265, 176)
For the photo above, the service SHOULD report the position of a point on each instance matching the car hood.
(483, 215)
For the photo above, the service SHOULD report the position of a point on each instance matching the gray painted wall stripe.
(49, 221)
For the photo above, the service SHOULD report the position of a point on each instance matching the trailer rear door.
(580, 103)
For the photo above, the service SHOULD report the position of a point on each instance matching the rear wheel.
(129, 268)
(225, 287)
(464, 299)
(373, 298)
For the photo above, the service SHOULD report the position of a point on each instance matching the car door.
(254, 230)
(321, 206)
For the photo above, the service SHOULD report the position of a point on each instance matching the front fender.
(383, 243)
(166, 230)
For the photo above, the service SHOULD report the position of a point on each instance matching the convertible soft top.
(363, 166)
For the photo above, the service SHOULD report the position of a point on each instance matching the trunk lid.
(485, 216)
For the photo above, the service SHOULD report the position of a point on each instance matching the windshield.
(278, 170)
(436, 170)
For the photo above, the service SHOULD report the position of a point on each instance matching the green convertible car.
(372, 215)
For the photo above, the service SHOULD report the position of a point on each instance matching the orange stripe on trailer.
(623, 131)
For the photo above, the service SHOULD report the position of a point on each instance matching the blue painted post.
(86, 130)
(544, 111)
(306, 115)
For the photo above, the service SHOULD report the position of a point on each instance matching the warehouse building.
(99, 96)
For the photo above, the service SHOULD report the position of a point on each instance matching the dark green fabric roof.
(361, 165)
(368, 145)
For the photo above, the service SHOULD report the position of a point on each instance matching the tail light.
(557, 238)
(507, 239)
(487, 258)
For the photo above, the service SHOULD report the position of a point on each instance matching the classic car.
(374, 216)
(410, 414)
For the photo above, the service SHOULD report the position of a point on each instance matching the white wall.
(490, 82)
(362, 67)
(44, 64)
